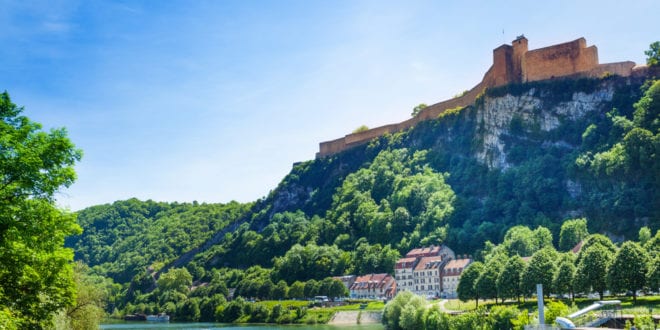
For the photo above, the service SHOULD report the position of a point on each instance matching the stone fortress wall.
(511, 64)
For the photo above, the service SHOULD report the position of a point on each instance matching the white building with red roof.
(451, 274)
(419, 272)
(431, 251)
(403, 272)
(427, 275)
(373, 286)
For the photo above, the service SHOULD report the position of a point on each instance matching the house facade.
(427, 276)
(451, 274)
(373, 286)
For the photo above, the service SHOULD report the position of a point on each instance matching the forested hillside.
(533, 154)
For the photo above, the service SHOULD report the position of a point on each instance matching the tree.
(280, 290)
(542, 238)
(563, 280)
(175, 279)
(416, 110)
(361, 129)
(87, 311)
(571, 233)
(592, 269)
(519, 240)
(486, 283)
(628, 269)
(36, 277)
(393, 314)
(539, 270)
(653, 54)
(596, 239)
(653, 277)
(311, 288)
(466, 285)
(337, 289)
(297, 290)
(508, 281)
(644, 235)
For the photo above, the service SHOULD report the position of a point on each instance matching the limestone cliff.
(533, 109)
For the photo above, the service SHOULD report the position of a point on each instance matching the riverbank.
(356, 317)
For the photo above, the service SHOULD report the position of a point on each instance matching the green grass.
(285, 303)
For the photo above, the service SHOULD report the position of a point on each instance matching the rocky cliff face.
(530, 111)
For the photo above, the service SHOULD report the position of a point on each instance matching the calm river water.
(221, 326)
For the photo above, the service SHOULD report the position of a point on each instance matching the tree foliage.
(508, 281)
(36, 277)
(592, 269)
(539, 270)
(467, 289)
(653, 54)
(628, 269)
(572, 232)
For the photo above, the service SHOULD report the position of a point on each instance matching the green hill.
(532, 154)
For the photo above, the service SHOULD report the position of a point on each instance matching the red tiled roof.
(405, 263)
(424, 252)
(458, 264)
(371, 281)
(429, 263)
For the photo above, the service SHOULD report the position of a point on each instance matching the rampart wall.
(559, 60)
(511, 64)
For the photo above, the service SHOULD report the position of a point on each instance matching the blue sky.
(214, 100)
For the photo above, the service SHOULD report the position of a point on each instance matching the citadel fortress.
(511, 64)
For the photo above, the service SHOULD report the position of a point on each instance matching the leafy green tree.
(189, 310)
(402, 312)
(563, 280)
(628, 269)
(502, 317)
(508, 281)
(176, 279)
(208, 306)
(542, 238)
(337, 289)
(87, 312)
(596, 239)
(297, 290)
(653, 276)
(539, 270)
(467, 283)
(592, 269)
(519, 240)
(36, 277)
(280, 290)
(653, 54)
(417, 109)
(571, 233)
(555, 309)
(644, 235)
(653, 245)
(436, 319)
(361, 129)
(311, 288)
(486, 283)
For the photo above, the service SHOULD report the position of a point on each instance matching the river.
(224, 326)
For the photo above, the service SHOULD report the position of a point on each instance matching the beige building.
(419, 271)
(451, 274)
(403, 273)
(427, 276)
(373, 286)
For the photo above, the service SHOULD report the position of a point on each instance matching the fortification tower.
(519, 50)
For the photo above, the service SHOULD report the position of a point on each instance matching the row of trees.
(599, 266)
(175, 294)
(410, 312)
